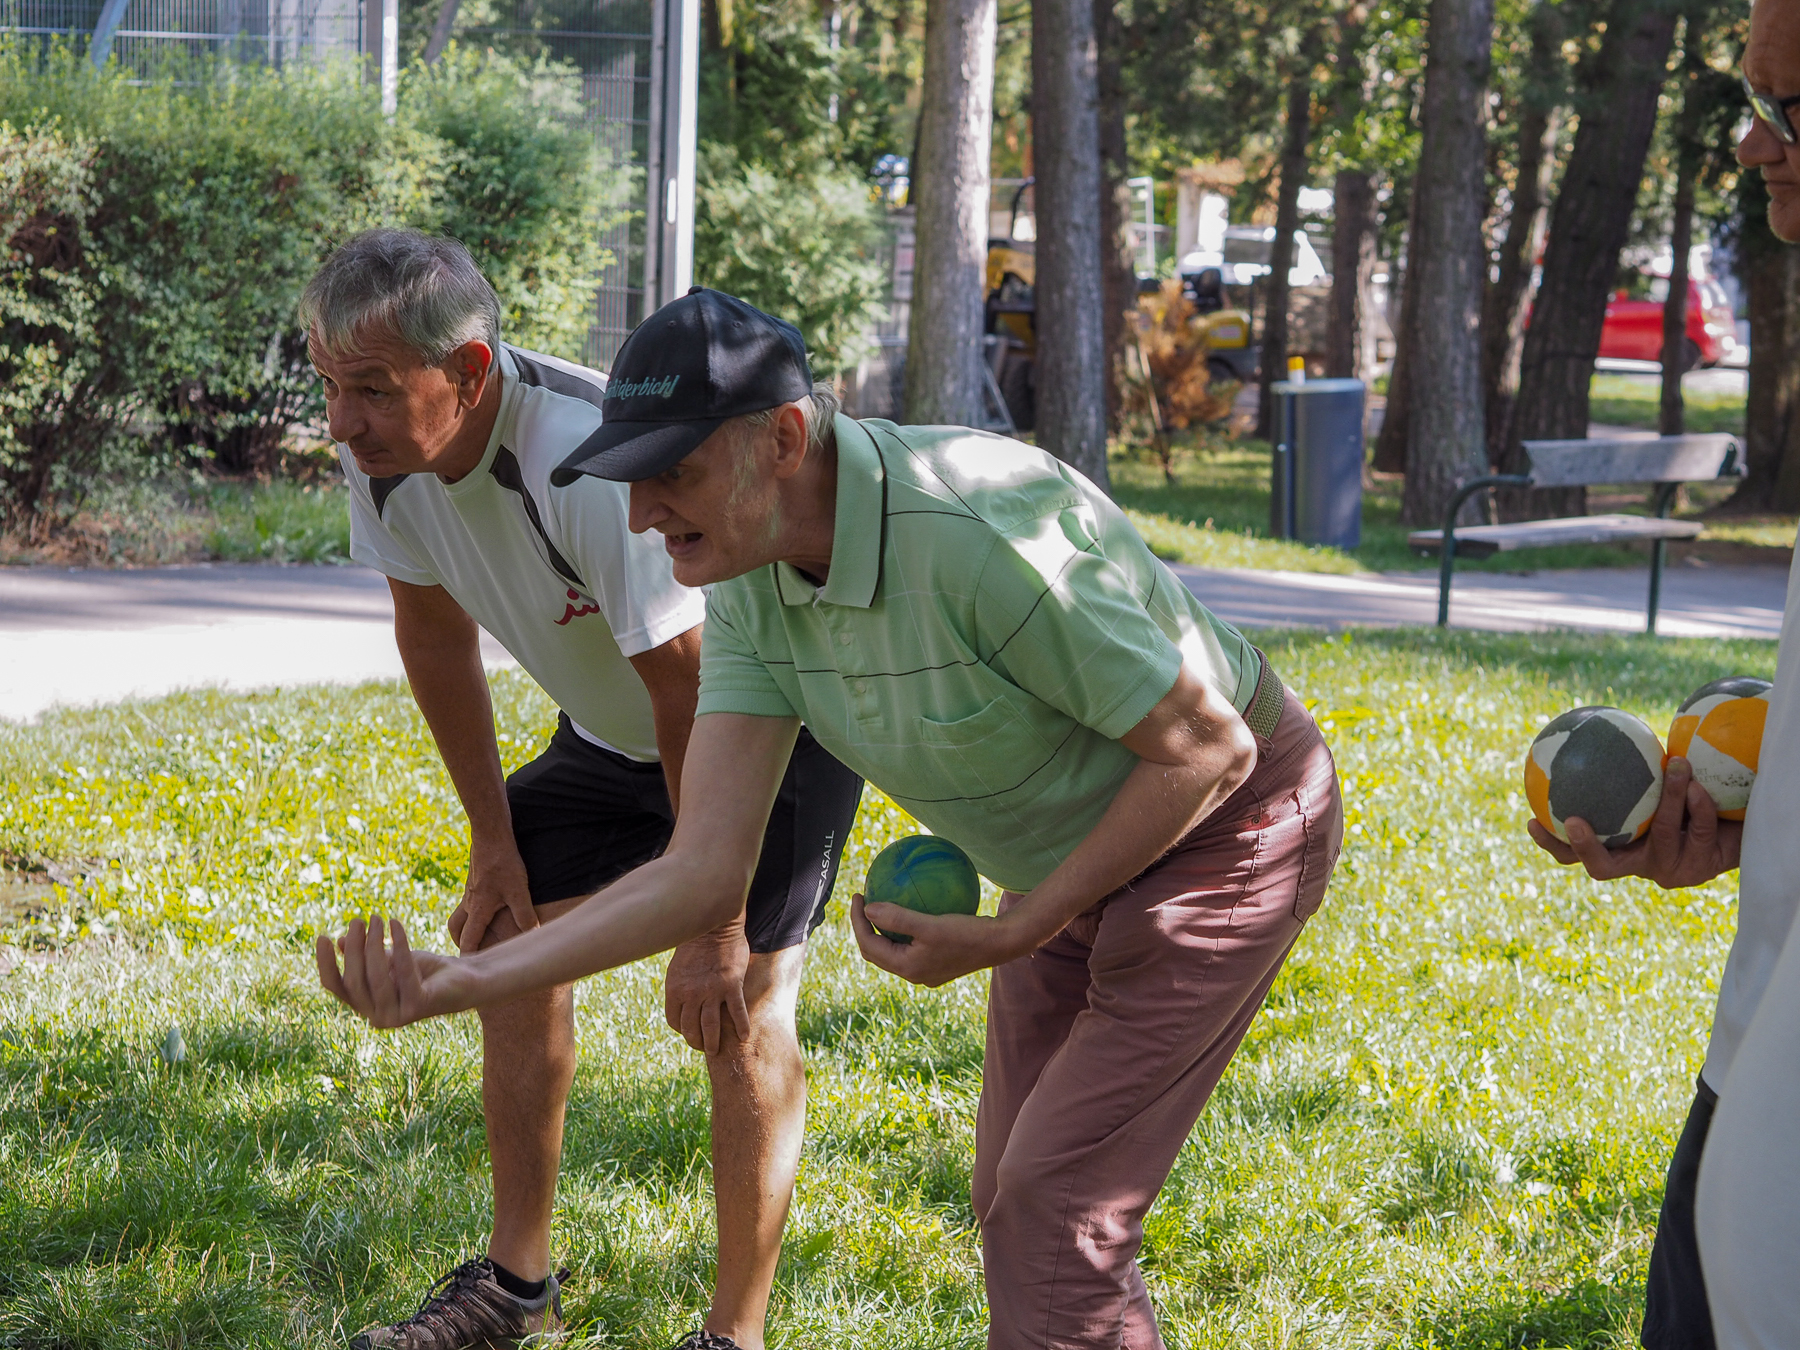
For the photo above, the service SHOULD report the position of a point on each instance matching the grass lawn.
(1447, 1129)
(152, 523)
(1622, 401)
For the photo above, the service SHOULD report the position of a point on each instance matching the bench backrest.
(1659, 459)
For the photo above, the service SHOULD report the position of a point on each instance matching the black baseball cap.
(691, 366)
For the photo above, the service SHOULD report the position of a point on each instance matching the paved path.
(1712, 601)
(93, 636)
(86, 635)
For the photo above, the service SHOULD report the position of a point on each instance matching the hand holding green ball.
(924, 873)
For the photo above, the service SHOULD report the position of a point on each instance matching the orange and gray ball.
(1719, 730)
(1600, 764)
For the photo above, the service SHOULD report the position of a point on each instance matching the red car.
(1633, 329)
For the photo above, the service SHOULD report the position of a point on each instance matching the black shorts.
(584, 816)
(1677, 1315)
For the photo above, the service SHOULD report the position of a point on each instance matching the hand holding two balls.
(1606, 794)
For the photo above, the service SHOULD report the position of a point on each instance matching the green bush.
(523, 186)
(213, 190)
(49, 372)
(799, 243)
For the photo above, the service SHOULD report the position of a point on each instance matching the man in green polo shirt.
(977, 630)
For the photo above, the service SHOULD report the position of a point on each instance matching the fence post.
(111, 13)
(390, 57)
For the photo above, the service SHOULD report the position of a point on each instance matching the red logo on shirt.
(570, 612)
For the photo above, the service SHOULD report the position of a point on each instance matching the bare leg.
(528, 1066)
(758, 1123)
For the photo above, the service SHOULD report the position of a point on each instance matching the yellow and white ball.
(1719, 729)
(1601, 764)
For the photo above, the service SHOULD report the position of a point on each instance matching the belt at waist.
(1265, 704)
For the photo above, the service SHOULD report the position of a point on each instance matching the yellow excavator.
(1011, 326)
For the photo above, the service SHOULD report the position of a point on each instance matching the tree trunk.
(1508, 299)
(1671, 416)
(1768, 269)
(1352, 266)
(1281, 254)
(1396, 421)
(440, 31)
(1071, 354)
(1117, 265)
(1588, 227)
(1446, 441)
(950, 191)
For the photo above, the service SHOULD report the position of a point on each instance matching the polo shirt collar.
(856, 529)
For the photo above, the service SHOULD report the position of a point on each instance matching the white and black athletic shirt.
(553, 573)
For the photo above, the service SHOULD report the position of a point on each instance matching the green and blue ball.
(924, 873)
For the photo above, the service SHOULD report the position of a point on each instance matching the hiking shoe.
(706, 1340)
(468, 1310)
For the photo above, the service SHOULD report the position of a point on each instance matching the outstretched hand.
(1686, 845)
(391, 989)
(944, 947)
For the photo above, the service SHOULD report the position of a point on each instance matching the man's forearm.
(1156, 806)
(660, 905)
(450, 687)
(694, 888)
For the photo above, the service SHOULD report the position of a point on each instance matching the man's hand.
(496, 882)
(944, 947)
(391, 990)
(705, 984)
(1669, 854)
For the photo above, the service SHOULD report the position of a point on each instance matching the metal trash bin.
(1316, 475)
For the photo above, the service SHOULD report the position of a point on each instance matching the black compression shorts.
(584, 816)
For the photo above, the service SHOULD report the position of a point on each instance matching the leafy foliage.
(213, 193)
(49, 367)
(801, 245)
(793, 124)
(522, 185)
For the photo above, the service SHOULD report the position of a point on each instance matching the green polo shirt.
(991, 626)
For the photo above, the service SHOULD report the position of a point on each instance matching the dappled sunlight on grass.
(1447, 1129)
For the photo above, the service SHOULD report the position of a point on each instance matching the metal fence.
(610, 45)
(275, 31)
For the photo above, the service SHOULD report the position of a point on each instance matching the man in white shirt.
(1731, 1208)
(447, 438)
(1749, 1191)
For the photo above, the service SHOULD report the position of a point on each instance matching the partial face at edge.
(397, 414)
(1772, 65)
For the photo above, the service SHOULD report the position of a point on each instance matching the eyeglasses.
(1773, 111)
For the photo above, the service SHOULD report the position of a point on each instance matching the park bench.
(1667, 461)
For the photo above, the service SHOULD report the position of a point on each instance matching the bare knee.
(771, 996)
(537, 1029)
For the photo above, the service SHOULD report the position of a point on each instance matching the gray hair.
(818, 408)
(424, 289)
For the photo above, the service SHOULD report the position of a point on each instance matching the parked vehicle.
(1633, 329)
(1244, 256)
(1011, 325)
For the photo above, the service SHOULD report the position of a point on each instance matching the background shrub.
(799, 243)
(523, 184)
(207, 196)
(50, 374)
